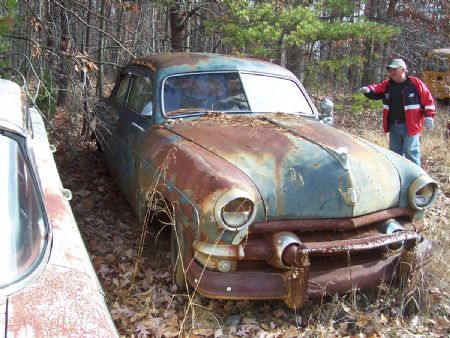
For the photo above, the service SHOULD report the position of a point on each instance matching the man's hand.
(364, 90)
(429, 123)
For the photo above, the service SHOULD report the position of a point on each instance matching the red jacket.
(417, 99)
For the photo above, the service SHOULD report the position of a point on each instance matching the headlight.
(422, 192)
(235, 210)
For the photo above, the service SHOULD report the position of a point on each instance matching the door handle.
(137, 126)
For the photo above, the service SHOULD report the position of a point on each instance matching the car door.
(107, 114)
(135, 119)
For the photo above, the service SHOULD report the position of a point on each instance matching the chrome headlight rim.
(420, 183)
(226, 198)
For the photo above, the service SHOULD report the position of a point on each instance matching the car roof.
(12, 114)
(182, 62)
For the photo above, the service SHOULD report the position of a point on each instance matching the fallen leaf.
(362, 320)
(141, 330)
(291, 332)
(83, 193)
(246, 330)
(86, 204)
(110, 258)
(279, 313)
(265, 326)
(247, 320)
(343, 326)
(442, 321)
(204, 332)
(129, 253)
(96, 262)
(172, 322)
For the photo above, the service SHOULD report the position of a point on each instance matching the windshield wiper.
(188, 111)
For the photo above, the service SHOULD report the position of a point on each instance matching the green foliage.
(337, 66)
(339, 7)
(46, 98)
(336, 30)
(337, 69)
(7, 22)
(359, 103)
(259, 28)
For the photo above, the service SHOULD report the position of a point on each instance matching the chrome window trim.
(239, 72)
(42, 259)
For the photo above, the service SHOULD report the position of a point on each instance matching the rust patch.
(296, 280)
(164, 60)
(271, 285)
(56, 207)
(227, 132)
(61, 303)
(329, 224)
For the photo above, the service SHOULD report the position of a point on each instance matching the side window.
(24, 226)
(121, 92)
(140, 93)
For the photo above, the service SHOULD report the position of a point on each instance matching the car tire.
(176, 249)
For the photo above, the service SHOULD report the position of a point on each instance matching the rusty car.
(48, 287)
(265, 200)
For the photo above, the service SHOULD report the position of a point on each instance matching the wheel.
(176, 249)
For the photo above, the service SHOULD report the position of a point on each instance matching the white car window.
(24, 228)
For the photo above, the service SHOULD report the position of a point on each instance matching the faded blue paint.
(299, 177)
(407, 171)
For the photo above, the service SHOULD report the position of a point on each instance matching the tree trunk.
(177, 26)
(100, 53)
(64, 47)
(300, 65)
(86, 84)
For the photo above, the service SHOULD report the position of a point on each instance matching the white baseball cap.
(395, 63)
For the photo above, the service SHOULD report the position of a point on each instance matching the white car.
(48, 287)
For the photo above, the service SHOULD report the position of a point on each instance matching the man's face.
(397, 74)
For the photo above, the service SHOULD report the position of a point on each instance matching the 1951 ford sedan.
(264, 199)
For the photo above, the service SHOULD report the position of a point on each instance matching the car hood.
(302, 168)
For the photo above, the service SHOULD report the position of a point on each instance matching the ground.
(144, 302)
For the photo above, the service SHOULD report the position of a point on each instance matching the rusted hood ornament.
(352, 193)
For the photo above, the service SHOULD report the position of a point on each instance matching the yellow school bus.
(436, 73)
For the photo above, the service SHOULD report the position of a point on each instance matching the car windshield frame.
(249, 101)
(26, 242)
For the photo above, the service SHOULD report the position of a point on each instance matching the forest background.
(67, 55)
(64, 47)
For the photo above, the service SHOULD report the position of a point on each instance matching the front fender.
(193, 178)
(407, 172)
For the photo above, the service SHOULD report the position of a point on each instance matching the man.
(407, 106)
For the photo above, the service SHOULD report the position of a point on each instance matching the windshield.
(274, 94)
(232, 92)
(24, 227)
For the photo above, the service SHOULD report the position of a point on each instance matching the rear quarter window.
(140, 93)
(120, 94)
